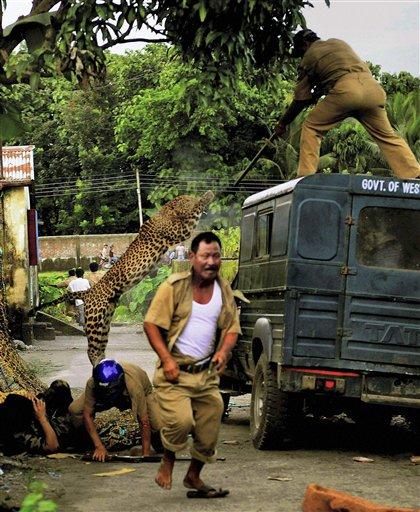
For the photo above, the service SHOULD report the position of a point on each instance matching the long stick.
(254, 160)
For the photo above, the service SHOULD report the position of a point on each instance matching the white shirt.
(180, 252)
(197, 338)
(79, 285)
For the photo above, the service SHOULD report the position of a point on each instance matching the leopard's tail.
(67, 297)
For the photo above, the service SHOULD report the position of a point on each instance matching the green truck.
(331, 267)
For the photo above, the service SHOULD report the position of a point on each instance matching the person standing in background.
(79, 285)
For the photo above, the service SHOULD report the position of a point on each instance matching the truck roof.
(277, 190)
(353, 184)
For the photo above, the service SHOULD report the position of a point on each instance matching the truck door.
(381, 322)
(317, 253)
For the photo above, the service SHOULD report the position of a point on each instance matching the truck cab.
(331, 267)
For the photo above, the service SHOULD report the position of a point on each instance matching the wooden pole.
(254, 160)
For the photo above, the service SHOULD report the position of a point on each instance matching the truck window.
(388, 237)
(264, 228)
(280, 229)
(247, 236)
(319, 229)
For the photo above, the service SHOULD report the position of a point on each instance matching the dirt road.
(322, 454)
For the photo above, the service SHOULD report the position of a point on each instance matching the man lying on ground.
(39, 424)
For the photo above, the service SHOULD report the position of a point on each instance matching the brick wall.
(64, 252)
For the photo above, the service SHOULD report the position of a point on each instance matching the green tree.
(188, 144)
(403, 82)
(403, 112)
(83, 183)
(71, 36)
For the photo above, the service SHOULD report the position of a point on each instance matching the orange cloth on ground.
(322, 499)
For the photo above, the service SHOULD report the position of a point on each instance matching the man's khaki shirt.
(171, 308)
(137, 384)
(323, 64)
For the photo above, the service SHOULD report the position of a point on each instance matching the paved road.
(66, 357)
(323, 454)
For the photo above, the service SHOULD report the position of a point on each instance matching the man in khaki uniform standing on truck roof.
(333, 69)
(192, 324)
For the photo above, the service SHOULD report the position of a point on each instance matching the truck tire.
(273, 412)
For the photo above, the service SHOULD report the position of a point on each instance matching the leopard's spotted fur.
(14, 373)
(173, 224)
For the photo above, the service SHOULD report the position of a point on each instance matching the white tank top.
(197, 338)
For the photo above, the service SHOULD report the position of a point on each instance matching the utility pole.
(139, 196)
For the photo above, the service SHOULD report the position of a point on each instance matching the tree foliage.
(189, 144)
(70, 37)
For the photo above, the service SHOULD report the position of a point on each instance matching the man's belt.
(195, 368)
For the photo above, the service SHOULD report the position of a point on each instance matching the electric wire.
(112, 184)
(105, 191)
(143, 178)
(150, 184)
(200, 187)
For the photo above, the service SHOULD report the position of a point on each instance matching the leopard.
(174, 223)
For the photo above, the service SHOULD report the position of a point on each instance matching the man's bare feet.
(193, 483)
(192, 479)
(164, 474)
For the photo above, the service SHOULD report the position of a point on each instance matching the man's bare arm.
(51, 444)
(170, 366)
(100, 452)
(220, 358)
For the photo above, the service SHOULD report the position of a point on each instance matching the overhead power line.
(74, 180)
(144, 178)
(113, 183)
(200, 187)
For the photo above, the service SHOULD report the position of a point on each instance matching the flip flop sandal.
(207, 493)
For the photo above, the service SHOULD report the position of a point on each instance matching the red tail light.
(329, 384)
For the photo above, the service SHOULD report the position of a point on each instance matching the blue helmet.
(108, 374)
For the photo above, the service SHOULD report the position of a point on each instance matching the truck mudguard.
(263, 332)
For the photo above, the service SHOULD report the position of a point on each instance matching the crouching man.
(125, 386)
(192, 324)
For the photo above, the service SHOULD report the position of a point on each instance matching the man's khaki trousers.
(360, 96)
(192, 406)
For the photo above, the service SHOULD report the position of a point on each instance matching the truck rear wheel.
(273, 412)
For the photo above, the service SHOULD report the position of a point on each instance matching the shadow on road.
(331, 434)
(343, 435)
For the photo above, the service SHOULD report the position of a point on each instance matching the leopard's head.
(177, 219)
